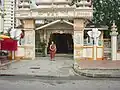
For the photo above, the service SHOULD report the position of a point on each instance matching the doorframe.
(48, 43)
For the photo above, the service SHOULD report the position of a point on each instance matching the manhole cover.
(34, 67)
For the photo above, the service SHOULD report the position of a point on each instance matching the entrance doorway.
(64, 42)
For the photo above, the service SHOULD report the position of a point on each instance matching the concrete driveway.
(42, 66)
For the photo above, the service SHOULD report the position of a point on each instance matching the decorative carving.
(77, 38)
(48, 13)
(29, 37)
(40, 13)
(29, 40)
(29, 52)
(77, 53)
(57, 13)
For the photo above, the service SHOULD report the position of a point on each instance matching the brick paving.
(98, 69)
(99, 64)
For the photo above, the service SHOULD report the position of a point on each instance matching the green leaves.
(106, 11)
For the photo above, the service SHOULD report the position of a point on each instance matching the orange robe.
(52, 51)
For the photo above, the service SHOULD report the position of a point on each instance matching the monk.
(52, 51)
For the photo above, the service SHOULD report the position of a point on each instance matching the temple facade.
(57, 20)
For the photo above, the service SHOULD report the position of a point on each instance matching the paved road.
(38, 83)
(67, 81)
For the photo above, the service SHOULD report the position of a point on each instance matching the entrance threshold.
(63, 55)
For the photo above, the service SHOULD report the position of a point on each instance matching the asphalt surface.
(66, 82)
(71, 83)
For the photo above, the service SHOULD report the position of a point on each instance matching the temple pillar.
(114, 34)
(29, 45)
(45, 40)
(79, 25)
(101, 38)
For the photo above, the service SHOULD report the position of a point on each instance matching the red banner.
(8, 44)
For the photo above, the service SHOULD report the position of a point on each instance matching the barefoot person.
(52, 50)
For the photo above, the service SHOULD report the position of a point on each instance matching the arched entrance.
(64, 42)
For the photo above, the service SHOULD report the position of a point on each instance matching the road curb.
(8, 63)
(96, 75)
(45, 77)
(28, 75)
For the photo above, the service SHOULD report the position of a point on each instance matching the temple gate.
(53, 11)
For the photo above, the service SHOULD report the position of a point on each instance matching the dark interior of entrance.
(64, 42)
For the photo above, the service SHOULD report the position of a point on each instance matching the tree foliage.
(105, 12)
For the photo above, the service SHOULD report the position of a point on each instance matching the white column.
(78, 38)
(45, 38)
(29, 26)
(1, 21)
(114, 42)
(79, 25)
(95, 52)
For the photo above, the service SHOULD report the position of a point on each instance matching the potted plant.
(43, 46)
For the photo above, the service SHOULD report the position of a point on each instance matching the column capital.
(114, 33)
(79, 24)
(29, 24)
(114, 27)
(114, 30)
